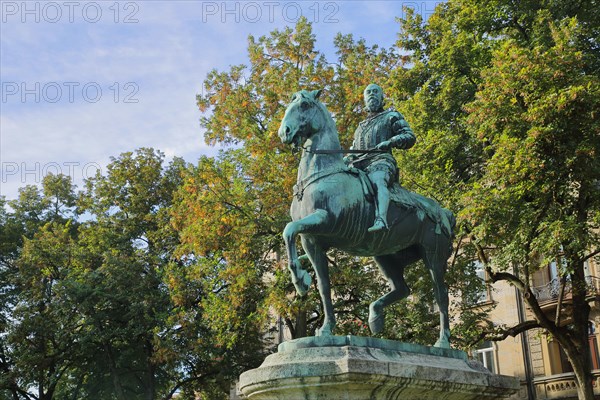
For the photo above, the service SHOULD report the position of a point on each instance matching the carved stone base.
(351, 367)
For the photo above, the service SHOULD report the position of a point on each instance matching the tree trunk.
(301, 324)
(116, 380)
(585, 390)
(576, 347)
(578, 355)
(150, 371)
(579, 351)
(574, 341)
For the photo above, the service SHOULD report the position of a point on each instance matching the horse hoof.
(302, 284)
(325, 330)
(443, 343)
(376, 325)
(376, 319)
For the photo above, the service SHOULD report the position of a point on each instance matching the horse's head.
(302, 118)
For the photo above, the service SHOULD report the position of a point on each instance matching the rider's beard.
(373, 104)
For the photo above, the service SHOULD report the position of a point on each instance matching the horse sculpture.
(330, 210)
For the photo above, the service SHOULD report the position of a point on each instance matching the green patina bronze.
(369, 342)
(382, 130)
(337, 206)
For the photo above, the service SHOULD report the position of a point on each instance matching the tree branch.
(290, 326)
(561, 294)
(591, 255)
(542, 320)
(188, 380)
(502, 333)
(458, 244)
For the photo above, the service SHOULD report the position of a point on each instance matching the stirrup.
(378, 225)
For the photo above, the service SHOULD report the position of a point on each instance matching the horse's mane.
(305, 94)
(323, 108)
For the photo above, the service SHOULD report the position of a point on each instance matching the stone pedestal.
(351, 367)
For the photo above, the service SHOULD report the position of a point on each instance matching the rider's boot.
(383, 201)
(378, 225)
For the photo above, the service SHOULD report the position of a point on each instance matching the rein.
(342, 151)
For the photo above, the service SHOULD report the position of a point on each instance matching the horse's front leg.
(312, 222)
(318, 258)
(436, 263)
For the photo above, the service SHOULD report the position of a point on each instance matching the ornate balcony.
(550, 291)
(562, 386)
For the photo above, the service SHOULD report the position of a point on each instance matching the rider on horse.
(382, 130)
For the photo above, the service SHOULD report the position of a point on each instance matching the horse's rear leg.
(301, 278)
(436, 263)
(392, 267)
(318, 259)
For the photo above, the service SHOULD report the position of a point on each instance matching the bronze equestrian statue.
(334, 207)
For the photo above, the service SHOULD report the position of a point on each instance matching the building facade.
(534, 357)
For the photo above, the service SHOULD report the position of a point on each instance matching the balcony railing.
(562, 386)
(551, 290)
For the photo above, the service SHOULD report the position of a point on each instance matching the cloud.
(148, 71)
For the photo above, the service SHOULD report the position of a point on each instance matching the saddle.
(423, 206)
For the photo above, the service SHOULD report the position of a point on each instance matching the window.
(593, 345)
(586, 268)
(485, 355)
(483, 295)
(558, 358)
(564, 360)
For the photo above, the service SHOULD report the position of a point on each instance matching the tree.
(166, 285)
(130, 297)
(98, 307)
(241, 198)
(543, 135)
(507, 97)
(10, 241)
(37, 341)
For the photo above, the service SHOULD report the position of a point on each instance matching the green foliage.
(94, 307)
(537, 115)
(504, 97)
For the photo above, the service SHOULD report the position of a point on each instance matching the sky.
(84, 81)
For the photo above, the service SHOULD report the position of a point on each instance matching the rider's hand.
(349, 158)
(385, 145)
(399, 142)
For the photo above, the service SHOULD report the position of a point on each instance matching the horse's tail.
(452, 220)
(452, 227)
(446, 222)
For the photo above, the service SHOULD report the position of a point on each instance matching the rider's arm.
(402, 136)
